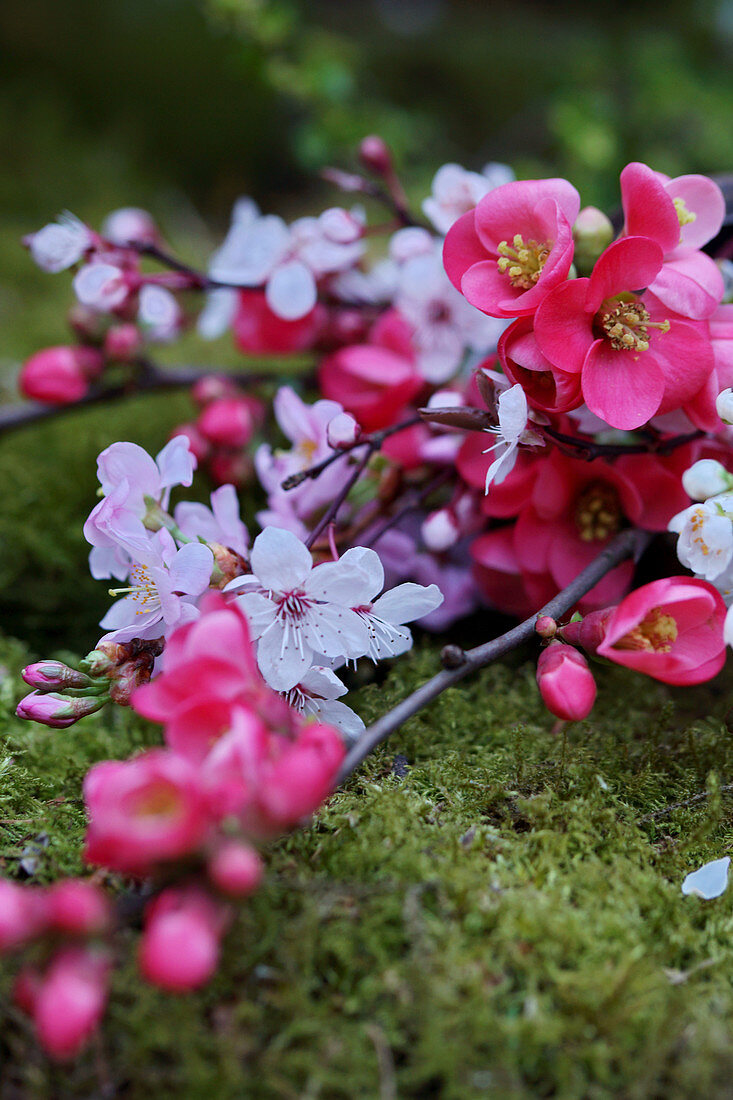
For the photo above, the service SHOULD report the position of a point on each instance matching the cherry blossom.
(60, 244)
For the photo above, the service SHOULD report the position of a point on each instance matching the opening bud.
(374, 154)
(546, 626)
(566, 683)
(706, 478)
(592, 233)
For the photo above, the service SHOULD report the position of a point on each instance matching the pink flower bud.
(57, 711)
(60, 375)
(374, 154)
(179, 949)
(592, 233)
(122, 342)
(77, 907)
(22, 914)
(71, 1000)
(49, 675)
(440, 530)
(546, 626)
(198, 445)
(227, 422)
(342, 431)
(566, 683)
(213, 387)
(235, 869)
(589, 631)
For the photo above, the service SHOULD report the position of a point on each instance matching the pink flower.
(235, 869)
(566, 683)
(260, 331)
(60, 375)
(681, 215)
(143, 811)
(70, 1000)
(634, 360)
(227, 422)
(517, 244)
(22, 914)
(179, 949)
(77, 907)
(671, 630)
(547, 387)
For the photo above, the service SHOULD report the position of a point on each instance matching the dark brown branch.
(630, 543)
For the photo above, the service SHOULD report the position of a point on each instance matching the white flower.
(385, 617)
(60, 244)
(705, 543)
(101, 286)
(318, 694)
(218, 313)
(455, 191)
(512, 408)
(159, 312)
(709, 881)
(296, 610)
(706, 478)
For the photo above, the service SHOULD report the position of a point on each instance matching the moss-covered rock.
(486, 910)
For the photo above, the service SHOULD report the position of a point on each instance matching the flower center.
(161, 800)
(625, 323)
(656, 633)
(597, 512)
(684, 215)
(438, 312)
(293, 605)
(522, 262)
(143, 591)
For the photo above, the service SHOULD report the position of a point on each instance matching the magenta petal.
(624, 388)
(563, 327)
(513, 208)
(691, 285)
(704, 199)
(648, 209)
(629, 264)
(462, 248)
(686, 360)
(486, 288)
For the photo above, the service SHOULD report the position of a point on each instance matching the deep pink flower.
(22, 914)
(372, 382)
(60, 375)
(70, 1000)
(566, 683)
(517, 244)
(179, 949)
(143, 811)
(259, 331)
(235, 869)
(227, 422)
(634, 361)
(546, 386)
(77, 907)
(671, 630)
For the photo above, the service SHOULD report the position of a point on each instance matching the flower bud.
(706, 478)
(49, 675)
(129, 676)
(57, 711)
(227, 422)
(589, 631)
(228, 564)
(440, 530)
(130, 225)
(375, 155)
(179, 949)
(71, 999)
(107, 655)
(60, 375)
(592, 233)
(122, 342)
(724, 406)
(22, 913)
(566, 683)
(546, 626)
(77, 908)
(342, 431)
(235, 869)
(213, 387)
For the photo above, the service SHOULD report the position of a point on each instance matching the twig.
(591, 450)
(727, 789)
(628, 544)
(332, 510)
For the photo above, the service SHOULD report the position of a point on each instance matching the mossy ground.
(496, 916)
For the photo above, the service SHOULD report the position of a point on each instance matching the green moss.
(504, 921)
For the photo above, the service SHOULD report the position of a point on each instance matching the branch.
(631, 543)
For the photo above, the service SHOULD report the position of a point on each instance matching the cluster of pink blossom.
(490, 404)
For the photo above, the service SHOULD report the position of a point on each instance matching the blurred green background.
(182, 105)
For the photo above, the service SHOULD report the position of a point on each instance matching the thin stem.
(591, 450)
(375, 440)
(727, 789)
(331, 512)
(628, 544)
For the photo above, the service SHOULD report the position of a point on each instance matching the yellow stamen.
(656, 633)
(523, 263)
